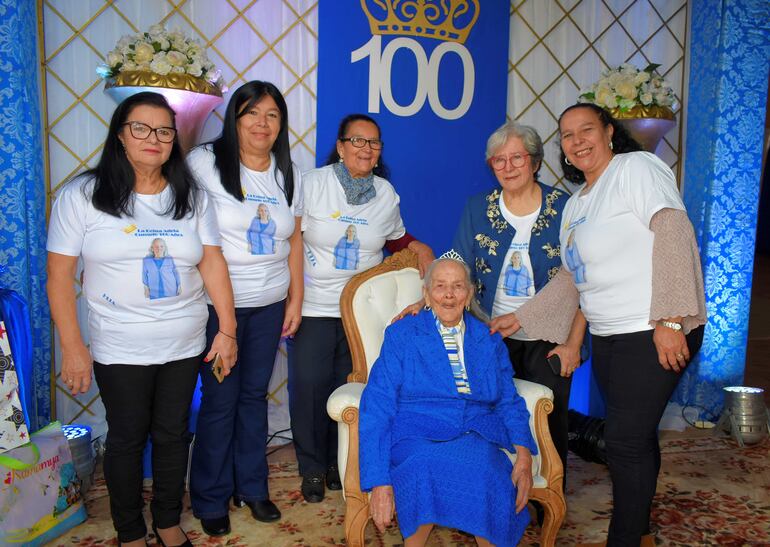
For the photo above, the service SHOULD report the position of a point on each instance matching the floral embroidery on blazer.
(484, 236)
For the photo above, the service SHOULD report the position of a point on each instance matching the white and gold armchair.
(369, 302)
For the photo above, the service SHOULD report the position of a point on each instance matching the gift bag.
(13, 428)
(39, 492)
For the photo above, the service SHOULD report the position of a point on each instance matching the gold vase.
(646, 124)
(193, 99)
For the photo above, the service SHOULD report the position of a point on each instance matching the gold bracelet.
(233, 337)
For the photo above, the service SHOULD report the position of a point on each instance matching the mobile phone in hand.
(554, 361)
(217, 368)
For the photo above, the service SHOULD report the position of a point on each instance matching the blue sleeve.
(145, 273)
(511, 406)
(463, 240)
(377, 409)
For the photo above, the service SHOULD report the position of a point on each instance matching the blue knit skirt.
(464, 483)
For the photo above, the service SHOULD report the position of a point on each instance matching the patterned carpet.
(709, 493)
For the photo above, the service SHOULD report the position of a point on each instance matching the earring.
(611, 145)
(340, 159)
(468, 307)
(567, 161)
(426, 307)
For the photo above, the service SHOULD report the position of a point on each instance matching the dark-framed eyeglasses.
(360, 142)
(142, 131)
(498, 163)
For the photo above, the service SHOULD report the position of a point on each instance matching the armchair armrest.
(346, 396)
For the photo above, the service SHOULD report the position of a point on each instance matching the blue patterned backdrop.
(22, 196)
(729, 62)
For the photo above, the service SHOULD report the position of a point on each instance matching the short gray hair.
(433, 265)
(533, 144)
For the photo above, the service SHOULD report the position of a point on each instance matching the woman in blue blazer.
(439, 405)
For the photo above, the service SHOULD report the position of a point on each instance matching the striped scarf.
(449, 337)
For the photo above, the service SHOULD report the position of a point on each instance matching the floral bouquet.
(161, 52)
(626, 87)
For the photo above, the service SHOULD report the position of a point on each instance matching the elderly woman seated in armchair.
(439, 404)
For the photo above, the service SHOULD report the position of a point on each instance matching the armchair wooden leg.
(356, 517)
(554, 510)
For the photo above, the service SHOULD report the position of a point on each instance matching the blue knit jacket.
(411, 392)
(484, 236)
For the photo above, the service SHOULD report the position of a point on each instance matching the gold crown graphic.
(449, 20)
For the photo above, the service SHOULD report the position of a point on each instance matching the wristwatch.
(672, 325)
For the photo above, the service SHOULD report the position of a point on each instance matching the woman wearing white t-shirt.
(634, 262)
(351, 213)
(146, 329)
(257, 194)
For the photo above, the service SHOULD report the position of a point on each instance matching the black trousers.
(636, 389)
(139, 401)
(319, 362)
(528, 359)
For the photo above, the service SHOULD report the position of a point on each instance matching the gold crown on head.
(427, 18)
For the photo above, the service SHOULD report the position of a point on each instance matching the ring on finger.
(680, 356)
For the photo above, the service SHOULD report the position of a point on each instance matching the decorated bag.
(40, 491)
(13, 428)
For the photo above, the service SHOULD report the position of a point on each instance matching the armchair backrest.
(370, 301)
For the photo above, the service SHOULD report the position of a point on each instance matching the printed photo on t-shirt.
(261, 233)
(573, 260)
(159, 274)
(518, 278)
(346, 250)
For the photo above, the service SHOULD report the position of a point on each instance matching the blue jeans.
(229, 451)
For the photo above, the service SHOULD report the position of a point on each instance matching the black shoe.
(186, 543)
(313, 488)
(216, 527)
(263, 510)
(333, 478)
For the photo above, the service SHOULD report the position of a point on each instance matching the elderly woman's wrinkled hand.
(522, 476)
(227, 349)
(504, 324)
(412, 309)
(382, 506)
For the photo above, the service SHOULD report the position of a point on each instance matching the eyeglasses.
(142, 131)
(360, 142)
(498, 163)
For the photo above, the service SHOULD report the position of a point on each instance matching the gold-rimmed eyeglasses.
(360, 142)
(142, 131)
(498, 163)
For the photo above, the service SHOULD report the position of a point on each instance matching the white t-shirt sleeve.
(648, 185)
(397, 223)
(208, 229)
(298, 200)
(67, 227)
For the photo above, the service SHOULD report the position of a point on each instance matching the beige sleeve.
(549, 314)
(677, 279)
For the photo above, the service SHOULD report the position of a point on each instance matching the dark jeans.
(231, 433)
(319, 362)
(636, 389)
(141, 400)
(528, 359)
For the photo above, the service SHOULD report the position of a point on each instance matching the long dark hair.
(622, 141)
(381, 169)
(114, 177)
(227, 155)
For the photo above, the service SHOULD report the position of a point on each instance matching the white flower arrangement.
(626, 87)
(161, 52)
